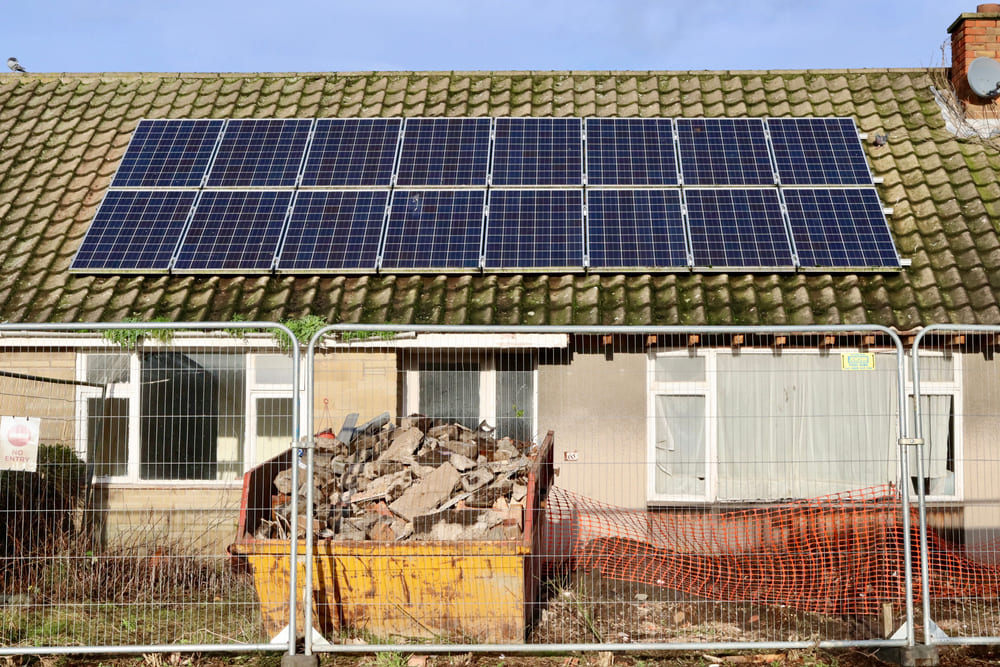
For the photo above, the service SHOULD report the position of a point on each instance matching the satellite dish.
(984, 77)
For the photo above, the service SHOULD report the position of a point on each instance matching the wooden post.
(887, 624)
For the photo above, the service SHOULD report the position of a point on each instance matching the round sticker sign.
(19, 435)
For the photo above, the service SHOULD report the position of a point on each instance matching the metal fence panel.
(956, 407)
(712, 487)
(116, 538)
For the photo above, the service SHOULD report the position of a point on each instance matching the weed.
(236, 332)
(580, 605)
(348, 336)
(391, 659)
(304, 328)
(129, 338)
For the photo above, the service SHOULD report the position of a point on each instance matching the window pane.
(108, 368)
(934, 368)
(680, 445)
(798, 426)
(515, 401)
(273, 427)
(107, 436)
(680, 368)
(272, 369)
(451, 392)
(193, 415)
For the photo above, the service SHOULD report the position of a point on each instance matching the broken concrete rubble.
(421, 479)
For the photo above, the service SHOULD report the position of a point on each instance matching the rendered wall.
(981, 420)
(364, 382)
(597, 408)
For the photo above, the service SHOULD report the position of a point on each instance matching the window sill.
(172, 485)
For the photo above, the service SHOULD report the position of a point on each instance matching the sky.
(345, 35)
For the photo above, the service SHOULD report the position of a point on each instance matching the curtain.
(797, 426)
(680, 445)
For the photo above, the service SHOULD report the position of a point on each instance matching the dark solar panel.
(444, 151)
(724, 151)
(538, 151)
(840, 228)
(168, 154)
(737, 228)
(818, 151)
(135, 230)
(635, 228)
(234, 231)
(334, 230)
(349, 152)
(630, 151)
(535, 229)
(260, 153)
(434, 229)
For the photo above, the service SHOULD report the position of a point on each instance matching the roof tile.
(943, 191)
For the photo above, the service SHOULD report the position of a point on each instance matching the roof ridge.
(278, 75)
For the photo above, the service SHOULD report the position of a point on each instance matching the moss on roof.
(63, 135)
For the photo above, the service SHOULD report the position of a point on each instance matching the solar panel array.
(248, 196)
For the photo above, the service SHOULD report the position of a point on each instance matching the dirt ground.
(587, 609)
(952, 657)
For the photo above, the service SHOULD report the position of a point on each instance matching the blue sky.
(341, 35)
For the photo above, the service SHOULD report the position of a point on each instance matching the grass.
(235, 621)
(391, 659)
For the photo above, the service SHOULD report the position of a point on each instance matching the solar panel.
(334, 230)
(818, 151)
(535, 229)
(840, 228)
(737, 228)
(724, 151)
(444, 151)
(135, 230)
(630, 151)
(168, 154)
(434, 229)
(538, 151)
(348, 152)
(260, 153)
(635, 228)
(234, 231)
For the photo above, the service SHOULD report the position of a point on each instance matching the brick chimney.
(974, 36)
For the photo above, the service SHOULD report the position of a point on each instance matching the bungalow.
(642, 418)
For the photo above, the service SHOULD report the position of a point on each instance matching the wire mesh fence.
(706, 487)
(956, 412)
(122, 452)
(495, 488)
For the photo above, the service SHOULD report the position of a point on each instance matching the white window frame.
(487, 360)
(130, 391)
(709, 390)
(705, 389)
(126, 390)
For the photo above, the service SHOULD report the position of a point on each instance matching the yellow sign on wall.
(857, 361)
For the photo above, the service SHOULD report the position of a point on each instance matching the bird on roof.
(14, 65)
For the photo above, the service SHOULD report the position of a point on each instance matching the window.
(759, 425)
(940, 391)
(470, 387)
(168, 415)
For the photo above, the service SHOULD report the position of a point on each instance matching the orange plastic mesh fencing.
(836, 554)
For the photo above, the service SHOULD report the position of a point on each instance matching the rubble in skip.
(422, 479)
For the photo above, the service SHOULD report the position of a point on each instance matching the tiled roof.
(62, 136)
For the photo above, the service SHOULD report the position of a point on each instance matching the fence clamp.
(306, 443)
(912, 442)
